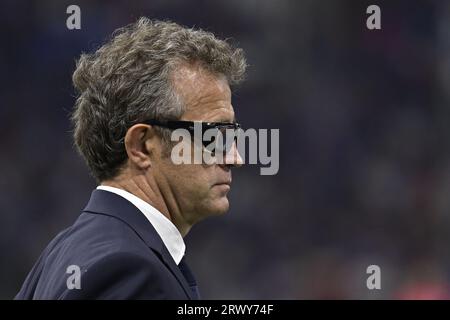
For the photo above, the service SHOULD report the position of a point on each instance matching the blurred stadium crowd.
(364, 144)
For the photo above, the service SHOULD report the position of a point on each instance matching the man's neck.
(150, 193)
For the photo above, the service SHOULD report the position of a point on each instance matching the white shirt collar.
(169, 234)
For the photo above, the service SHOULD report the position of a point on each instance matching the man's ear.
(140, 141)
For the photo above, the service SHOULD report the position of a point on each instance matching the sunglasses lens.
(222, 141)
(211, 144)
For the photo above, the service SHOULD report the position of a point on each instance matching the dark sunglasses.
(220, 140)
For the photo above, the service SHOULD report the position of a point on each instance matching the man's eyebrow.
(228, 120)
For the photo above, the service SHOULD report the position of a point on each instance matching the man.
(151, 78)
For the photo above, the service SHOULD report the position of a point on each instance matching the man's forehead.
(203, 92)
(191, 79)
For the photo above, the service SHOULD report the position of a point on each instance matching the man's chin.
(220, 206)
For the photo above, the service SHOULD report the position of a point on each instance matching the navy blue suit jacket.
(119, 253)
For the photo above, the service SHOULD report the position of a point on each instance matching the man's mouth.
(224, 185)
(226, 182)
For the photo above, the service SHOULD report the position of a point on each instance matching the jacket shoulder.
(121, 275)
(111, 259)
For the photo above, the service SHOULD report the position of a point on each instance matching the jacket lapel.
(108, 203)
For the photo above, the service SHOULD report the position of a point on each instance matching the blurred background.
(364, 144)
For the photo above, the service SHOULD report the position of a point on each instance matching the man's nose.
(233, 158)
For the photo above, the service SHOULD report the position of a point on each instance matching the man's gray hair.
(128, 80)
